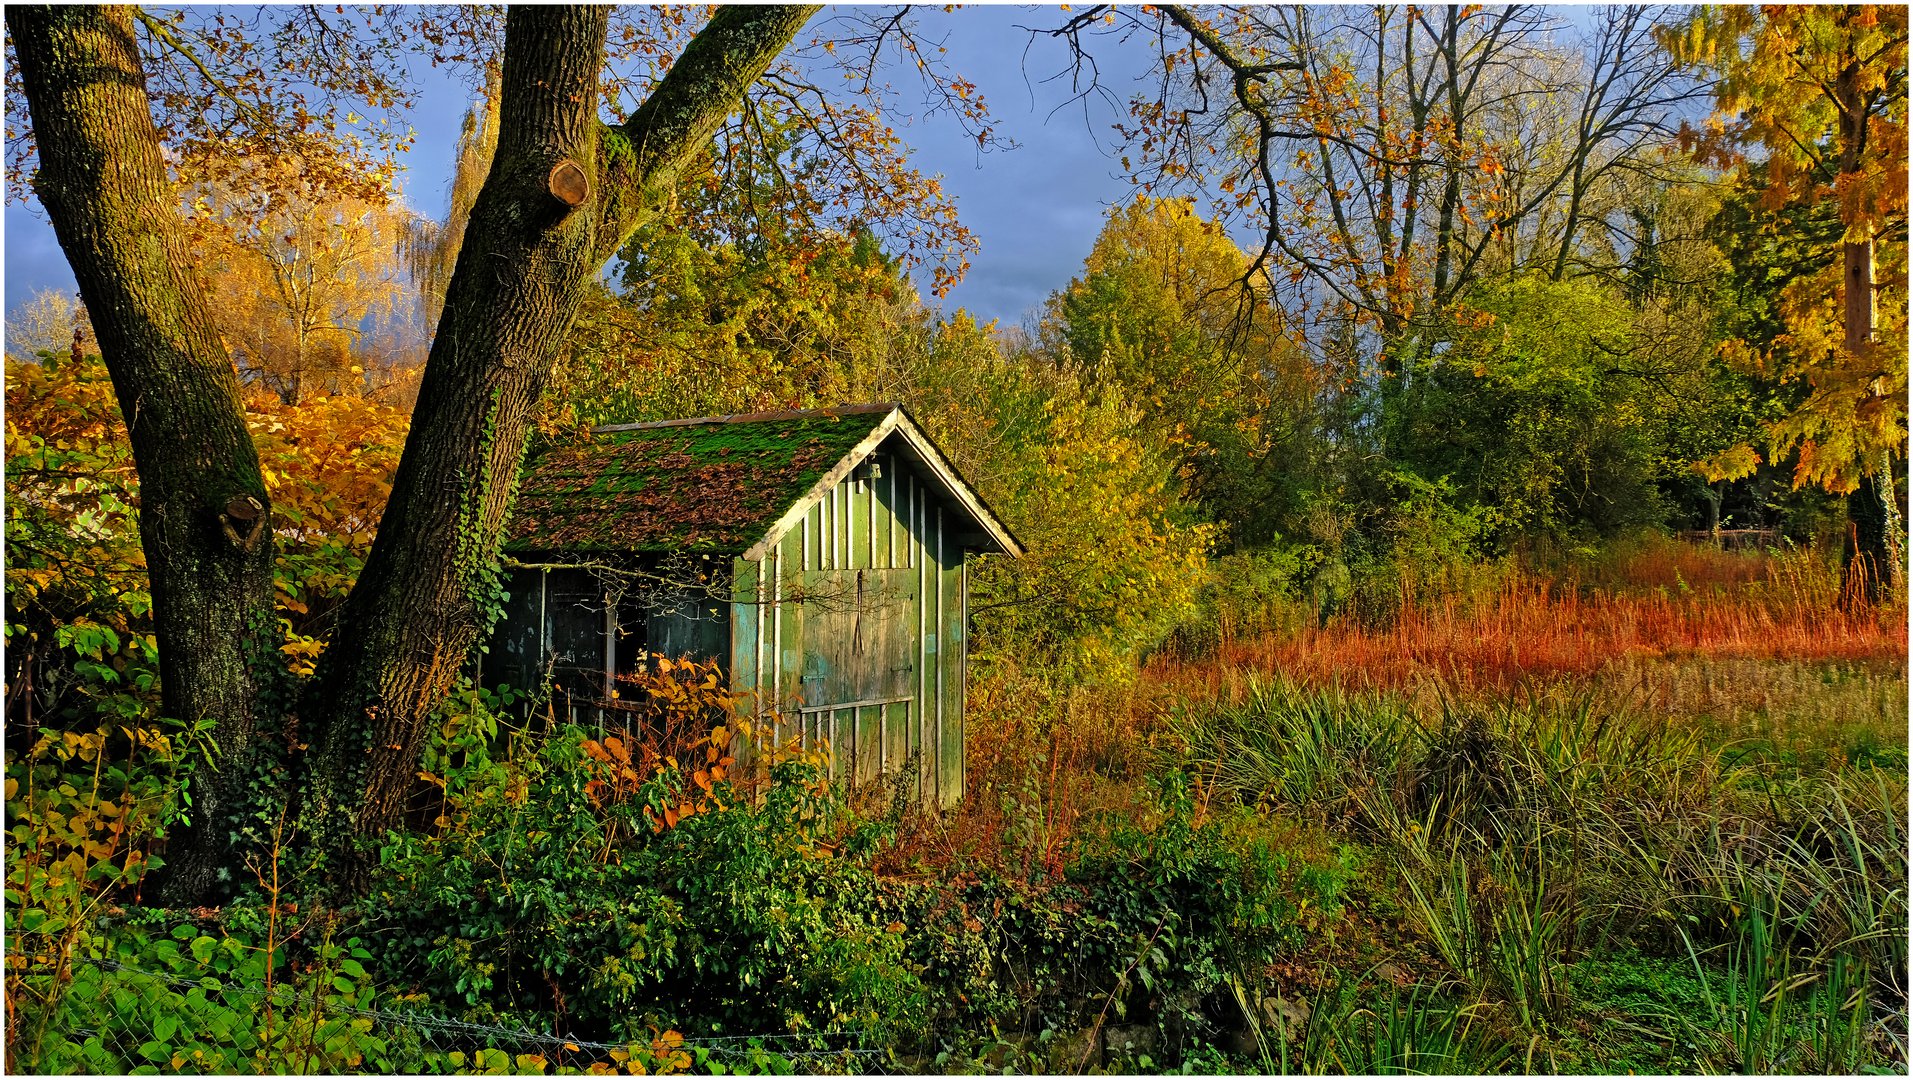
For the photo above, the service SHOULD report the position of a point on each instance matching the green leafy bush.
(189, 1002)
(569, 880)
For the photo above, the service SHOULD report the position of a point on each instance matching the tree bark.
(429, 584)
(1871, 569)
(204, 518)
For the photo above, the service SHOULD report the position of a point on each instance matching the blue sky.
(1035, 209)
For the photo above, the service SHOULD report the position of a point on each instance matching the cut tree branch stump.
(568, 184)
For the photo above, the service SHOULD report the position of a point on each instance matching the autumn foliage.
(76, 574)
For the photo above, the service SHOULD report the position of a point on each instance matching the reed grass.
(1524, 833)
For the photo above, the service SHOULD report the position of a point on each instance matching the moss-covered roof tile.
(709, 486)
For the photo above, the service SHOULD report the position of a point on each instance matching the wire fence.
(102, 1016)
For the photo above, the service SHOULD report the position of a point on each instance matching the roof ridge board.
(830, 412)
(946, 473)
(897, 423)
(831, 477)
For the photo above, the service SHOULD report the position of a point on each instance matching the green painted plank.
(950, 749)
(857, 536)
(883, 517)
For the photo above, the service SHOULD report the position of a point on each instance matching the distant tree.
(298, 274)
(1558, 406)
(1114, 558)
(1389, 157)
(1821, 93)
(50, 322)
(429, 246)
(1216, 377)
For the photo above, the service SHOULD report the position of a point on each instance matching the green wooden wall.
(850, 633)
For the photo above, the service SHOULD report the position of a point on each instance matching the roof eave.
(1005, 542)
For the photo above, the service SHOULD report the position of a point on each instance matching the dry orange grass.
(1530, 632)
(1654, 599)
(1742, 642)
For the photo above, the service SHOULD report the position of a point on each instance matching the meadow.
(1640, 811)
(1370, 694)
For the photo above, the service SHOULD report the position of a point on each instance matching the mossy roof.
(716, 484)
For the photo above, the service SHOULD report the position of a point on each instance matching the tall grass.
(1525, 833)
(1548, 617)
(1536, 629)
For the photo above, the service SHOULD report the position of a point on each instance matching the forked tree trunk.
(204, 517)
(563, 192)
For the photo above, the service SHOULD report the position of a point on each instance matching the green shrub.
(1186, 904)
(187, 1002)
(568, 881)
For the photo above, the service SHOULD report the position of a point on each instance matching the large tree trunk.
(1872, 556)
(563, 192)
(204, 518)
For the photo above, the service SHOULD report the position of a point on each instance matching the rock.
(1075, 1051)
(1285, 1018)
(1010, 1051)
(1131, 1042)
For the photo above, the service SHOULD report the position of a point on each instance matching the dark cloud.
(1035, 209)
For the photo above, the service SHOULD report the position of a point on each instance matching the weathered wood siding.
(850, 634)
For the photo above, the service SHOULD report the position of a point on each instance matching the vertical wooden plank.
(896, 733)
(741, 666)
(790, 688)
(840, 722)
(932, 757)
(610, 654)
(870, 744)
(927, 636)
(896, 720)
(766, 629)
(963, 684)
(883, 502)
(904, 519)
(810, 539)
(543, 635)
(955, 658)
(826, 530)
(857, 512)
(853, 743)
(774, 639)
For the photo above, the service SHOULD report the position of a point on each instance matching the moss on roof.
(708, 487)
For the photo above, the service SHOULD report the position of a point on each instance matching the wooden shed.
(820, 556)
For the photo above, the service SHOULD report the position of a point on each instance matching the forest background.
(1463, 601)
